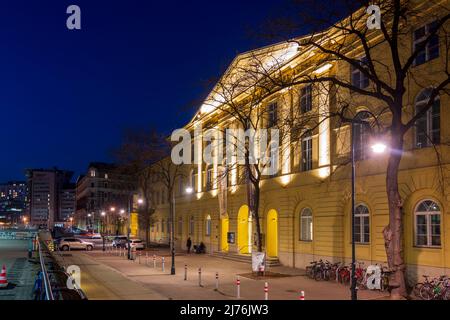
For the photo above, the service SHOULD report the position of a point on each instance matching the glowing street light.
(103, 213)
(189, 190)
(140, 201)
(379, 147)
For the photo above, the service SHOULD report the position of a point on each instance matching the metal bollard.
(266, 291)
(302, 295)
(146, 258)
(200, 277)
(238, 287)
(154, 261)
(217, 281)
(185, 272)
(163, 264)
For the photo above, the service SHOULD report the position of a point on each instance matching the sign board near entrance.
(258, 261)
(231, 237)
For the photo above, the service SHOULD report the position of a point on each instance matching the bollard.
(238, 287)
(200, 277)
(146, 258)
(217, 281)
(302, 295)
(266, 291)
(185, 272)
(163, 264)
(154, 261)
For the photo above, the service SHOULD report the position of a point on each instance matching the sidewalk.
(287, 287)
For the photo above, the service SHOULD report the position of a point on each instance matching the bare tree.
(139, 150)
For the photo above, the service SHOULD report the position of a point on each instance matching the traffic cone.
(3, 280)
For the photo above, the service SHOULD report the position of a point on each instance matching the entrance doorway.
(272, 233)
(243, 235)
(224, 227)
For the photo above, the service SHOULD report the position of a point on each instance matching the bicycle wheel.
(426, 291)
(416, 290)
(446, 294)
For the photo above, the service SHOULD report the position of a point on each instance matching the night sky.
(66, 96)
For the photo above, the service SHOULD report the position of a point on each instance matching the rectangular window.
(272, 110)
(307, 153)
(306, 99)
(209, 179)
(359, 79)
(208, 227)
(431, 50)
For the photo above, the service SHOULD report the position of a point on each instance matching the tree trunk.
(256, 217)
(393, 233)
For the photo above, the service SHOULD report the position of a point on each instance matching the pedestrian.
(189, 244)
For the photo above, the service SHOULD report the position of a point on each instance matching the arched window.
(306, 225)
(362, 134)
(428, 224)
(362, 224)
(191, 226)
(307, 151)
(208, 226)
(428, 126)
(180, 226)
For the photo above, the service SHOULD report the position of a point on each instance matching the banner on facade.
(258, 261)
(222, 176)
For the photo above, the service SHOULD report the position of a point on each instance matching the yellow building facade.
(305, 214)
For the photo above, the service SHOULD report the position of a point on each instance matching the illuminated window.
(306, 225)
(306, 143)
(428, 224)
(208, 226)
(362, 224)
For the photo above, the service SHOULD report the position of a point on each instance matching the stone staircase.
(245, 258)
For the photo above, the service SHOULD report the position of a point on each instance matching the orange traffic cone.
(3, 280)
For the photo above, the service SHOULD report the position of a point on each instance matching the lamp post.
(130, 205)
(103, 214)
(378, 147)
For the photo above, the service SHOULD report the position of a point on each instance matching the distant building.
(101, 189)
(13, 201)
(67, 202)
(45, 191)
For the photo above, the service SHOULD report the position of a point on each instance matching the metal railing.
(46, 279)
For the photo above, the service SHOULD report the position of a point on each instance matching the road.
(101, 282)
(20, 273)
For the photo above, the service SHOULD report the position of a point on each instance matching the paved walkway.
(175, 287)
(101, 282)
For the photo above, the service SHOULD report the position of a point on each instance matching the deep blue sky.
(66, 96)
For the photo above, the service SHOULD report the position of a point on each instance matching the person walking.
(189, 244)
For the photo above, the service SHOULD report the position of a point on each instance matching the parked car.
(138, 244)
(66, 244)
(119, 241)
(96, 236)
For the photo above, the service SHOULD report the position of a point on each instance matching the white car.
(96, 236)
(75, 244)
(138, 244)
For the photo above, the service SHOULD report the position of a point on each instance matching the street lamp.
(139, 201)
(377, 147)
(189, 190)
